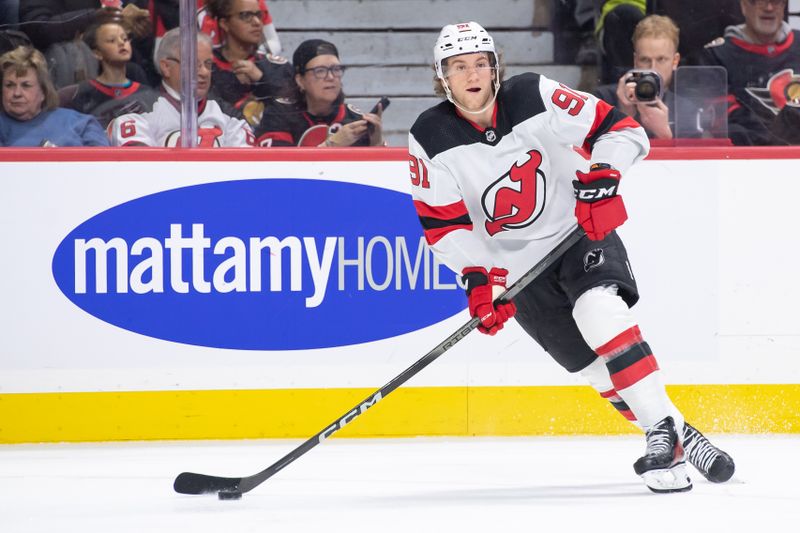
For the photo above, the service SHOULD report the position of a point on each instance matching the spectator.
(655, 47)
(30, 114)
(209, 26)
(55, 27)
(110, 94)
(161, 126)
(242, 77)
(316, 99)
(762, 57)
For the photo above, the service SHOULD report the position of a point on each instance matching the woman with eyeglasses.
(316, 103)
(242, 77)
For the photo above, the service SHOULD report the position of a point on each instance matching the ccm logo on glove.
(482, 289)
(598, 208)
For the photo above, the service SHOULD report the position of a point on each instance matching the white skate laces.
(714, 464)
(663, 466)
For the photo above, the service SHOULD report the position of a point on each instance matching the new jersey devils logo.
(516, 199)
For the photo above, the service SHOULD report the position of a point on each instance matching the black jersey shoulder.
(440, 128)
(520, 98)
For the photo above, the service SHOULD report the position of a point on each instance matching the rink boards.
(168, 294)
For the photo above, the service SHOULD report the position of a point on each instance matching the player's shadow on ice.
(526, 494)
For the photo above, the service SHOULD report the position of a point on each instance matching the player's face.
(22, 95)
(244, 23)
(113, 44)
(321, 82)
(471, 79)
(656, 53)
(763, 18)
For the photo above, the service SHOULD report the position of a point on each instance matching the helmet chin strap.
(450, 97)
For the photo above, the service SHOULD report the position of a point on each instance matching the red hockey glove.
(482, 288)
(598, 208)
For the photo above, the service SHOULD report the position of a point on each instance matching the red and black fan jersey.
(284, 123)
(277, 74)
(760, 80)
(107, 102)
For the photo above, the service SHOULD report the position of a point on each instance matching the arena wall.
(133, 347)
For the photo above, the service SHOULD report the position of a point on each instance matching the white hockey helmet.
(462, 38)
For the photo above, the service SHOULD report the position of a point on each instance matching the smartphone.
(384, 103)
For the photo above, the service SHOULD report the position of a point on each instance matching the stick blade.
(191, 483)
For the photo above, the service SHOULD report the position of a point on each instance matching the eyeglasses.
(763, 3)
(247, 16)
(208, 63)
(337, 71)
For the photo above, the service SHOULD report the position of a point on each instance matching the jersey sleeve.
(130, 130)
(584, 120)
(238, 134)
(274, 128)
(443, 213)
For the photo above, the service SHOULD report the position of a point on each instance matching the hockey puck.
(229, 495)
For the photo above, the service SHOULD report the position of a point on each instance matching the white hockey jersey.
(162, 126)
(503, 196)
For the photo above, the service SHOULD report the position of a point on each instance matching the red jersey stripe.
(441, 212)
(434, 235)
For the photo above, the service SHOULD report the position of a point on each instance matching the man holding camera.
(644, 92)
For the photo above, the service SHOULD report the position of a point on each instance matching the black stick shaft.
(191, 483)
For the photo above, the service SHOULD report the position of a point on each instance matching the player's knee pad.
(601, 314)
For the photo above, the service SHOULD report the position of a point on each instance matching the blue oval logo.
(278, 264)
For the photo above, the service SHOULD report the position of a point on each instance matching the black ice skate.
(663, 466)
(715, 465)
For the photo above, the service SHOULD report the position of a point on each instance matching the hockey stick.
(233, 487)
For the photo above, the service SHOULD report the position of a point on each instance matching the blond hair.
(656, 27)
(24, 58)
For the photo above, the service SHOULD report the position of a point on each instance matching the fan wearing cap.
(497, 184)
(315, 113)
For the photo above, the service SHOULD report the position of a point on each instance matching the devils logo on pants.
(516, 199)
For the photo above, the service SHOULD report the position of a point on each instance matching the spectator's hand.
(626, 100)
(375, 127)
(246, 71)
(348, 134)
(654, 116)
(138, 20)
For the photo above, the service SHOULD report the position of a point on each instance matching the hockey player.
(316, 102)
(161, 126)
(494, 172)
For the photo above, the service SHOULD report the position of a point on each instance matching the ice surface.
(442, 485)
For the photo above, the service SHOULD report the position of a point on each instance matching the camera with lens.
(648, 84)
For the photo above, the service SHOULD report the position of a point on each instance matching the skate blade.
(666, 480)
